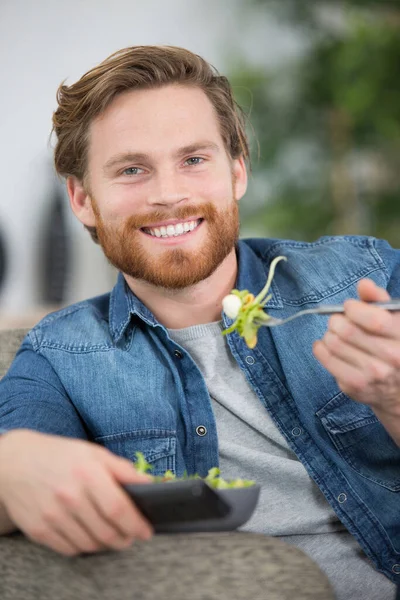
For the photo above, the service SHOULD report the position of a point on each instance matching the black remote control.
(176, 502)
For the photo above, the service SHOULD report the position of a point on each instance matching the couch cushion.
(204, 566)
(10, 341)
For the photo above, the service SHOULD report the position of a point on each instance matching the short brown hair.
(134, 68)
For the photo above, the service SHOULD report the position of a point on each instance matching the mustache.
(205, 211)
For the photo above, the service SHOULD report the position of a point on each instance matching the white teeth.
(170, 230)
(173, 230)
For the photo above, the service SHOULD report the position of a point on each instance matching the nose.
(168, 189)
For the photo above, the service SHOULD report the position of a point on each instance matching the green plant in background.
(328, 124)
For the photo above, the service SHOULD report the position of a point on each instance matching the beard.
(171, 268)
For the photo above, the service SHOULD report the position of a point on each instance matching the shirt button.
(250, 360)
(178, 354)
(396, 569)
(296, 431)
(342, 498)
(201, 430)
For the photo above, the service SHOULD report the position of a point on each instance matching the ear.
(80, 202)
(240, 174)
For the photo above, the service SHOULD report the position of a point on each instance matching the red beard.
(172, 268)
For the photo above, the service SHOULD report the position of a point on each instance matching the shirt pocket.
(157, 445)
(362, 441)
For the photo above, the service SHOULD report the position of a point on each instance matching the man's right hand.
(66, 494)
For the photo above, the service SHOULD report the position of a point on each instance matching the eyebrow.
(133, 157)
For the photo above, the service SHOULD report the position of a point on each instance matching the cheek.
(119, 202)
(216, 188)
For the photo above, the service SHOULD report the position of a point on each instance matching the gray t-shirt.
(291, 506)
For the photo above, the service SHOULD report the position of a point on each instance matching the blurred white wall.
(46, 41)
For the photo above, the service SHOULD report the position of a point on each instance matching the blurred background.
(318, 80)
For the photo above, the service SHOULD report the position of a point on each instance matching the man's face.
(163, 190)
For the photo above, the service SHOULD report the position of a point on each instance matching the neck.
(196, 305)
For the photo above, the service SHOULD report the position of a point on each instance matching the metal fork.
(329, 309)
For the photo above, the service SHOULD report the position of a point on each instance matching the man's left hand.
(361, 349)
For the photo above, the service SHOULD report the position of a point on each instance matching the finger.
(387, 350)
(372, 319)
(82, 524)
(76, 534)
(105, 534)
(122, 469)
(373, 368)
(53, 540)
(51, 520)
(341, 370)
(116, 508)
(370, 292)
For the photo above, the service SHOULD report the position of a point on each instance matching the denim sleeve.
(391, 259)
(33, 397)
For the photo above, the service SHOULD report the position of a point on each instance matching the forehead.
(152, 121)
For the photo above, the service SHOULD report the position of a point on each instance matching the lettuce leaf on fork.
(247, 310)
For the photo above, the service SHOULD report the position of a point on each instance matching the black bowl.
(192, 506)
(242, 503)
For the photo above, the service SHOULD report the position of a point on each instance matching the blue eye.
(194, 160)
(131, 171)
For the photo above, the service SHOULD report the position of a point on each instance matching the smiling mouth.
(170, 231)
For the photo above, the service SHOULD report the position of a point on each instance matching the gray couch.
(223, 566)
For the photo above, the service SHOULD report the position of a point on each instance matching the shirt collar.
(123, 305)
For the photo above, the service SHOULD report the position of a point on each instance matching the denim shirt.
(106, 370)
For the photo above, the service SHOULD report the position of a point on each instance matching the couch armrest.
(224, 566)
(10, 341)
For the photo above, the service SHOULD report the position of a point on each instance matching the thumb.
(370, 292)
(123, 470)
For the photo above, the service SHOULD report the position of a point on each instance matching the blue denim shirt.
(105, 370)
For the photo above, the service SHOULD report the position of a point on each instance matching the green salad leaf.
(213, 478)
(249, 312)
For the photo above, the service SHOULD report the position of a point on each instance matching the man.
(153, 149)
